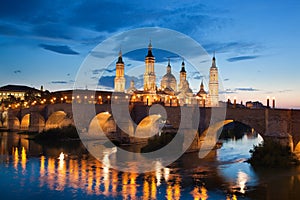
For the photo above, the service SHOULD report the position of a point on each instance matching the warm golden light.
(16, 157)
(61, 160)
(23, 158)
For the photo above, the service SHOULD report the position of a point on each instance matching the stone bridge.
(279, 124)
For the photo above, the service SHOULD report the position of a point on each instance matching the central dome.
(168, 81)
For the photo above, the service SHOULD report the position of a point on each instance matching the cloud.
(99, 71)
(59, 82)
(226, 79)
(17, 71)
(246, 89)
(232, 46)
(62, 49)
(227, 91)
(240, 58)
(10, 30)
(283, 91)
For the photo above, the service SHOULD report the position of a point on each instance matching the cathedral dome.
(168, 80)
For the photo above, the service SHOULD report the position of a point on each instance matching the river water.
(33, 171)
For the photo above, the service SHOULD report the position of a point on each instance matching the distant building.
(18, 92)
(169, 93)
(254, 105)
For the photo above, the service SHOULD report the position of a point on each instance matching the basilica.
(170, 92)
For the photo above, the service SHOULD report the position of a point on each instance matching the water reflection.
(241, 181)
(72, 173)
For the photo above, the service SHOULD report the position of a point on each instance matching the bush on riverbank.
(272, 154)
(63, 133)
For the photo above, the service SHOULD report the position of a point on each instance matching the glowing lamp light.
(61, 156)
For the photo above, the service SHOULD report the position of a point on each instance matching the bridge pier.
(278, 127)
(36, 124)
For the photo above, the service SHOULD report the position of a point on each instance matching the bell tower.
(120, 79)
(149, 75)
(214, 84)
(182, 77)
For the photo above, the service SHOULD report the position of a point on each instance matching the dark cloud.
(233, 46)
(62, 49)
(55, 19)
(246, 89)
(99, 71)
(197, 75)
(10, 30)
(17, 71)
(59, 82)
(15, 9)
(226, 79)
(240, 58)
(53, 30)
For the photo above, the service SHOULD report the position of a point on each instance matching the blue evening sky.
(256, 42)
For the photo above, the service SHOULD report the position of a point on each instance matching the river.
(33, 171)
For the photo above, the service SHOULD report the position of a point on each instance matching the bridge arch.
(297, 149)
(25, 122)
(57, 119)
(148, 127)
(14, 123)
(218, 127)
(102, 123)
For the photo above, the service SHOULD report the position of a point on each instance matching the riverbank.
(271, 154)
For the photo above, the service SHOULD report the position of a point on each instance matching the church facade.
(169, 92)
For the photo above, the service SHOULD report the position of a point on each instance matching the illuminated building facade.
(120, 79)
(169, 93)
(214, 84)
(18, 92)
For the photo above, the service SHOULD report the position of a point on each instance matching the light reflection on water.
(60, 173)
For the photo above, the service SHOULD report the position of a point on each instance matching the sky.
(256, 43)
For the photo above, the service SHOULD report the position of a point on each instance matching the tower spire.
(120, 60)
(213, 64)
(182, 66)
(150, 50)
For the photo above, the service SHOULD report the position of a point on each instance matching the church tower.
(149, 75)
(182, 77)
(213, 84)
(120, 79)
